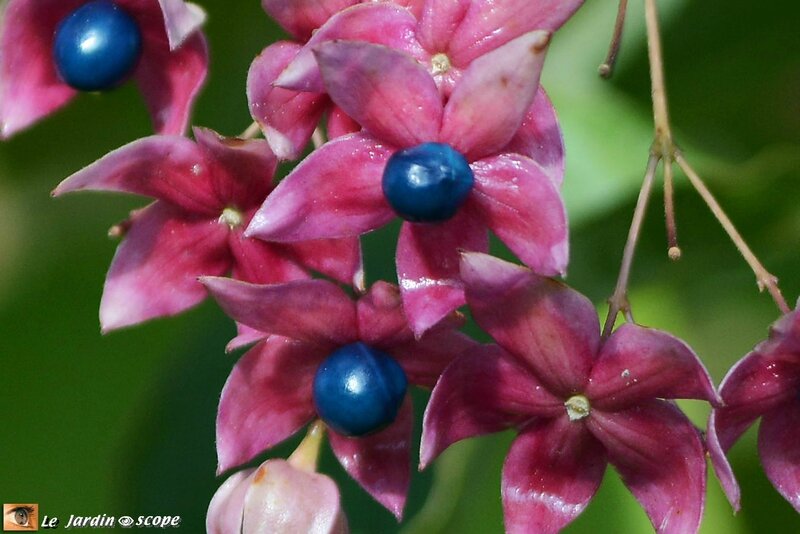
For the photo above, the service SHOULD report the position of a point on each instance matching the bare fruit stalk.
(619, 300)
(606, 68)
(663, 149)
(764, 278)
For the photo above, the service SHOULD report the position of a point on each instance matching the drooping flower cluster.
(425, 110)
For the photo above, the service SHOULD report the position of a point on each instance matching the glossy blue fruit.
(97, 46)
(358, 390)
(427, 183)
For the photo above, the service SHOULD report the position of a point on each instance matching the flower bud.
(280, 497)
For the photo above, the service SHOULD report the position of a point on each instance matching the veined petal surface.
(380, 462)
(638, 363)
(260, 406)
(488, 24)
(302, 17)
(315, 311)
(428, 257)
(170, 168)
(481, 392)
(778, 439)
(287, 117)
(384, 23)
(335, 192)
(550, 328)
(30, 87)
(386, 91)
(539, 137)
(550, 474)
(659, 454)
(170, 80)
(155, 269)
(489, 103)
(517, 200)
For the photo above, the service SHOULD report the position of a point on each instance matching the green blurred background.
(123, 424)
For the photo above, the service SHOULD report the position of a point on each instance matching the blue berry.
(97, 46)
(358, 390)
(427, 183)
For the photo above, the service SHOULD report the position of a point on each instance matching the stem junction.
(664, 150)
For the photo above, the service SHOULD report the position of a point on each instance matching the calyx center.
(440, 64)
(578, 407)
(232, 217)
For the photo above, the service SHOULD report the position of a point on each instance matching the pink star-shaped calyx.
(268, 396)
(337, 191)
(578, 403)
(206, 192)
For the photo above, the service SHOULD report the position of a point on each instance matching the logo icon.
(20, 517)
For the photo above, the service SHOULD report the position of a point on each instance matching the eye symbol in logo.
(125, 521)
(20, 517)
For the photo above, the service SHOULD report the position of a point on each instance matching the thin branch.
(619, 300)
(660, 114)
(674, 251)
(606, 68)
(663, 148)
(763, 277)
